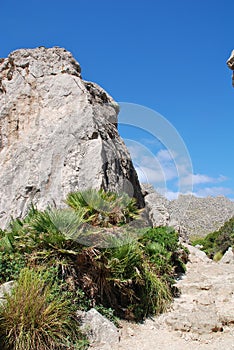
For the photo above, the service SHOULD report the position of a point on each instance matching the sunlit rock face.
(58, 133)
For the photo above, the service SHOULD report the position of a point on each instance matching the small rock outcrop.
(58, 133)
(230, 63)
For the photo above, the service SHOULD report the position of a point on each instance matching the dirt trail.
(201, 318)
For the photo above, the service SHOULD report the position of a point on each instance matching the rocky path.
(201, 318)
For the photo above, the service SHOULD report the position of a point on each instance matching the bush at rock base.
(132, 277)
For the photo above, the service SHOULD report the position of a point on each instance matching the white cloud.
(165, 156)
(197, 179)
(171, 173)
(153, 168)
(149, 175)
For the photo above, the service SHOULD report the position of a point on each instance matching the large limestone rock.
(156, 205)
(58, 133)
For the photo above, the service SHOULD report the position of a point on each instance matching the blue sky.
(167, 55)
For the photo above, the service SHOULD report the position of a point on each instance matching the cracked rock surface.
(58, 133)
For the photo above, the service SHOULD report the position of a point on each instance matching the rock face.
(58, 133)
(230, 63)
(157, 208)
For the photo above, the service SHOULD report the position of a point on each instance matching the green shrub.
(164, 251)
(218, 241)
(134, 278)
(31, 320)
(11, 265)
(123, 279)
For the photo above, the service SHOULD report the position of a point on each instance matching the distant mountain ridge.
(201, 216)
(190, 215)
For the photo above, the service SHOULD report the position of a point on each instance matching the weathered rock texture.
(57, 133)
(200, 216)
(188, 214)
(230, 63)
(101, 333)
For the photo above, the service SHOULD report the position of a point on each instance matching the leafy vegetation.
(104, 208)
(130, 277)
(218, 241)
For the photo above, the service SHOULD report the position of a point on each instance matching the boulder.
(101, 333)
(156, 206)
(196, 255)
(58, 133)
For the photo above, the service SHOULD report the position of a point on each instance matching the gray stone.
(197, 255)
(156, 205)
(101, 333)
(5, 288)
(228, 257)
(58, 133)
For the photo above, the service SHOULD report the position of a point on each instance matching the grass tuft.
(34, 319)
